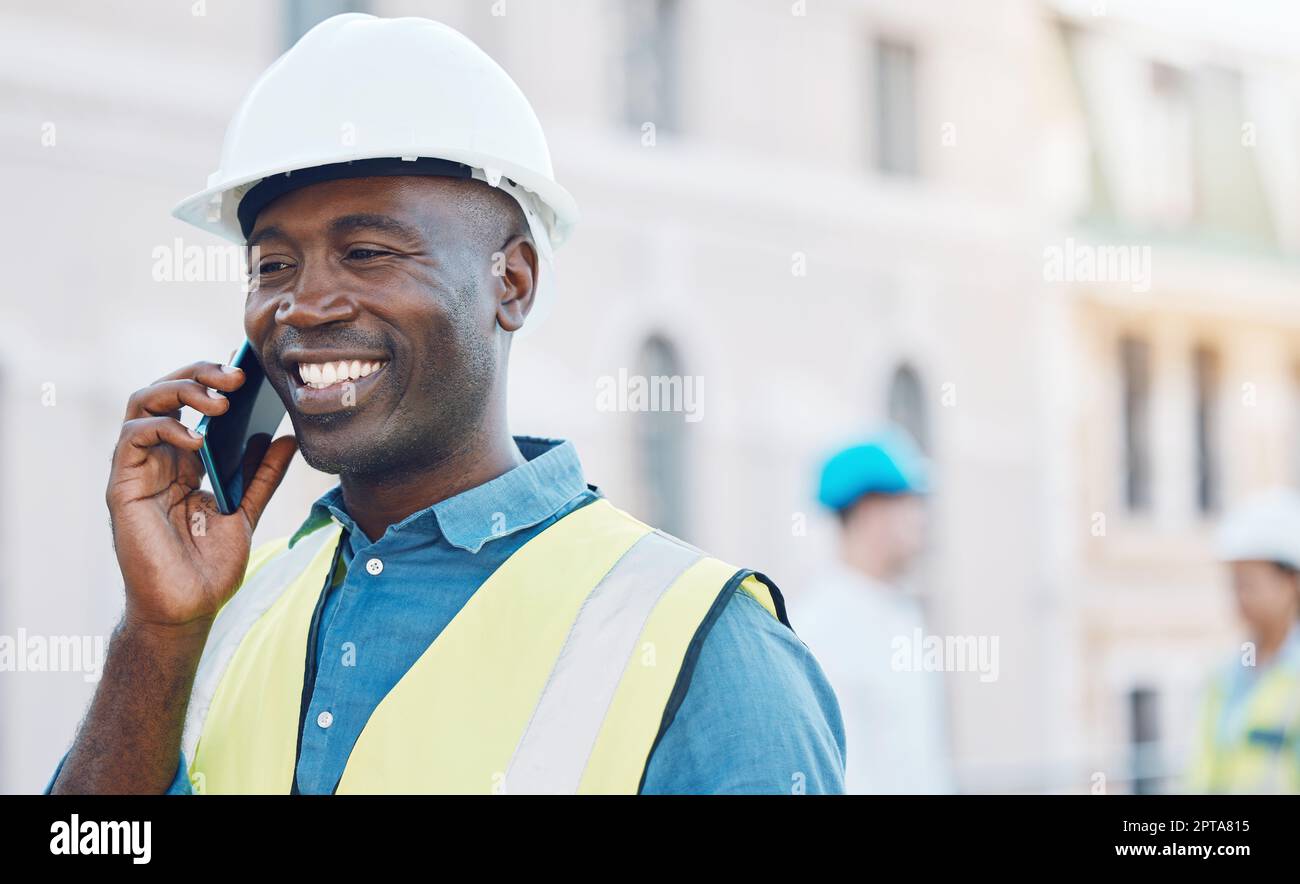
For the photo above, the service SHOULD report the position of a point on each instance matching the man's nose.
(320, 296)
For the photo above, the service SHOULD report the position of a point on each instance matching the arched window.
(895, 132)
(661, 443)
(650, 71)
(907, 405)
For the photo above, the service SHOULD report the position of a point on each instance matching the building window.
(1232, 199)
(907, 405)
(895, 139)
(650, 64)
(1135, 368)
(300, 16)
(1168, 151)
(1295, 425)
(661, 444)
(1144, 740)
(1205, 378)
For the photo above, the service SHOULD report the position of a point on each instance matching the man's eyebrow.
(385, 223)
(264, 234)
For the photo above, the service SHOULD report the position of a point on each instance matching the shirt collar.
(1290, 649)
(1241, 677)
(528, 494)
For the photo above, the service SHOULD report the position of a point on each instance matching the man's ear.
(516, 266)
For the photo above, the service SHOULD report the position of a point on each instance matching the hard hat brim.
(215, 209)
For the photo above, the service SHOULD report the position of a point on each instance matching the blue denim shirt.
(759, 715)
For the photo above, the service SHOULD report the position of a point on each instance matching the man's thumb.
(270, 473)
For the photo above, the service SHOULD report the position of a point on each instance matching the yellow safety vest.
(558, 676)
(1260, 752)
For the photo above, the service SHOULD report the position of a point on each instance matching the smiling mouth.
(324, 375)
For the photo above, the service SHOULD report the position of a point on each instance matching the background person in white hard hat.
(893, 719)
(1250, 727)
(463, 613)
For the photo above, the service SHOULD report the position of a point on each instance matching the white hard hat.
(1264, 528)
(390, 92)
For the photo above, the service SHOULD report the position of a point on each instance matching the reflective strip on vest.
(271, 569)
(557, 675)
(559, 738)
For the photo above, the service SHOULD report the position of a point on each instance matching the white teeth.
(322, 374)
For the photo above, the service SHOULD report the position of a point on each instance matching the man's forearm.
(130, 739)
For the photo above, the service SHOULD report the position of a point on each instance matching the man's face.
(376, 314)
(892, 526)
(1266, 594)
(907, 524)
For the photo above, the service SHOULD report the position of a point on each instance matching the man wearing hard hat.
(1250, 722)
(462, 613)
(857, 615)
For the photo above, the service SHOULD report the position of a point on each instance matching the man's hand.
(181, 559)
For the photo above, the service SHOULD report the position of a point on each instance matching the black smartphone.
(235, 442)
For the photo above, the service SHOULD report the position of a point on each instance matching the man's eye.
(364, 254)
(268, 267)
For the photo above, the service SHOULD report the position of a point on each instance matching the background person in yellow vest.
(463, 613)
(857, 612)
(1250, 727)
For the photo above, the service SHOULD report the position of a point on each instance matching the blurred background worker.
(857, 615)
(1250, 729)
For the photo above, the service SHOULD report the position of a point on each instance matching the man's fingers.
(166, 398)
(267, 478)
(211, 374)
(141, 434)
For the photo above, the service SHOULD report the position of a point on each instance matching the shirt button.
(374, 566)
(325, 719)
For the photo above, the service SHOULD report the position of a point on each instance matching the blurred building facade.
(824, 214)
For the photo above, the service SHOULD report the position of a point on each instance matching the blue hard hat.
(886, 463)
